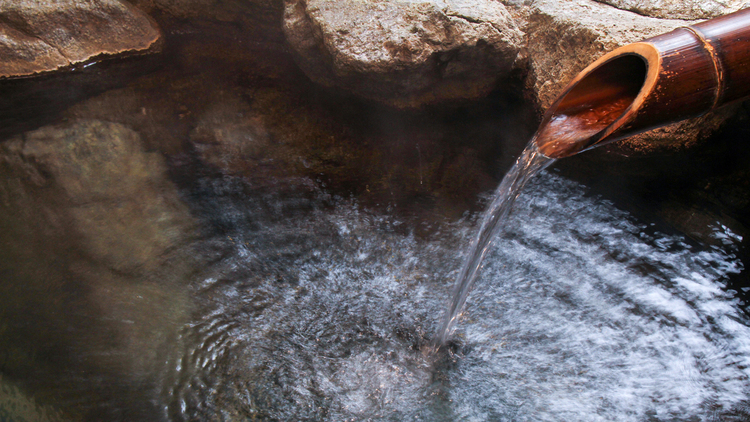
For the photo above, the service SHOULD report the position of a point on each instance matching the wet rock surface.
(45, 36)
(686, 188)
(253, 113)
(404, 53)
(94, 240)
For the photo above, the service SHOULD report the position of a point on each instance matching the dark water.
(311, 307)
(209, 238)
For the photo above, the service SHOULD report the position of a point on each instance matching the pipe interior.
(593, 104)
(617, 81)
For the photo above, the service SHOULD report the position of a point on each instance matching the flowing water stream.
(527, 166)
(311, 307)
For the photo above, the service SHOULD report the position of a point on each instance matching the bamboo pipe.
(671, 77)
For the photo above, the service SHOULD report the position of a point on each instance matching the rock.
(675, 137)
(100, 191)
(95, 252)
(678, 9)
(565, 36)
(38, 36)
(404, 53)
(17, 406)
(230, 136)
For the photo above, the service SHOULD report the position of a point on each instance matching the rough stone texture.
(565, 36)
(100, 187)
(404, 53)
(678, 9)
(41, 36)
(676, 136)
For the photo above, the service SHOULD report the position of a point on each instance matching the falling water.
(562, 136)
(528, 164)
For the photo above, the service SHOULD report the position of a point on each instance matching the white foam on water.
(580, 313)
(581, 331)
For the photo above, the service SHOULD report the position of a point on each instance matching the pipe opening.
(579, 117)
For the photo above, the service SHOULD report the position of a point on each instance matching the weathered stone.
(40, 36)
(100, 188)
(678, 9)
(565, 36)
(676, 136)
(404, 53)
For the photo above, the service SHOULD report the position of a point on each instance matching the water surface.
(580, 312)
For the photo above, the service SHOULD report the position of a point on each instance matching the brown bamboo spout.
(644, 85)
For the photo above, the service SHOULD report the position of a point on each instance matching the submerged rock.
(98, 189)
(37, 36)
(404, 53)
(232, 137)
(94, 252)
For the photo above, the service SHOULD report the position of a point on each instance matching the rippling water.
(316, 309)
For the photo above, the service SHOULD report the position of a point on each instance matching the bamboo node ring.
(715, 59)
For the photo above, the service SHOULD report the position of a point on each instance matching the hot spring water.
(314, 308)
(580, 313)
(585, 313)
(308, 306)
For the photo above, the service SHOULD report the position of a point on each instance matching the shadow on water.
(27, 103)
(203, 234)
